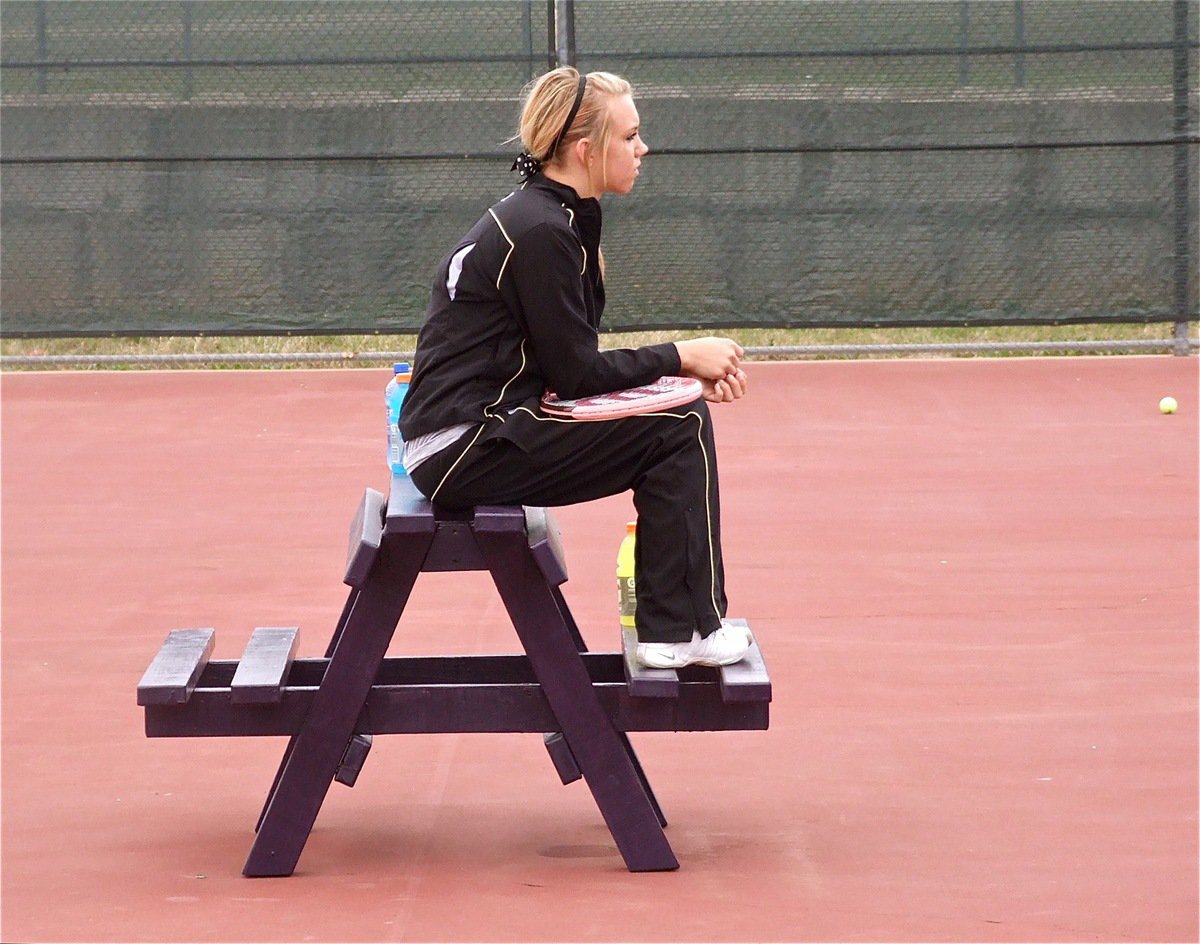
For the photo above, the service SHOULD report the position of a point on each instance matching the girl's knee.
(699, 407)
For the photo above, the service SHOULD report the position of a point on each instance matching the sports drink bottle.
(393, 395)
(626, 587)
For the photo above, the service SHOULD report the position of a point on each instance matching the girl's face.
(625, 147)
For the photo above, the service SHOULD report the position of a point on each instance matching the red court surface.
(974, 581)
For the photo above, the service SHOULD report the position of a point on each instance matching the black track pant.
(528, 458)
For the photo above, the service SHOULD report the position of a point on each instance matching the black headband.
(526, 163)
(571, 117)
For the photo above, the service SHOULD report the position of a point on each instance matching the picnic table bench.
(583, 703)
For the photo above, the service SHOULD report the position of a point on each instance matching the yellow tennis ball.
(1168, 405)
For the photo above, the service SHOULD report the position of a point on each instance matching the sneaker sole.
(684, 663)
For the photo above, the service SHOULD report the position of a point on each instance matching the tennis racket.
(664, 393)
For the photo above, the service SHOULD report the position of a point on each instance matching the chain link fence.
(261, 167)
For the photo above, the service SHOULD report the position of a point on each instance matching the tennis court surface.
(974, 581)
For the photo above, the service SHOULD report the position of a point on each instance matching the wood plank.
(562, 758)
(644, 682)
(353, 760)
(454, 548)
(566, 684)
(408, 511)
(746, 680)
(320, 743)
(172, 675)
(366, 531)
(514, 708)
(545, 540)
(264, 665)
(506, 519)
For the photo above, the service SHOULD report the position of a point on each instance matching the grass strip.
(356, 350)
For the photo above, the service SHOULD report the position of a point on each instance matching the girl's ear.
(583, 150)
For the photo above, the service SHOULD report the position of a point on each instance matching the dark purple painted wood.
(329, 724)
(347, 609)
(561, 757)
(583, 703)
(746, 680)
(453, 549)
(407, 508)
(174, 671)
(645, 682)
(366, 531)
(599, 752)
(545, 541)
(264, 665)
(464, 707)
(353, 759)
(591, 661)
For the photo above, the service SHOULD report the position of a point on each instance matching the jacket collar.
(567, 195)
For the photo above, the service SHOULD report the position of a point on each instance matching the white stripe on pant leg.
(712, 552)
(433, 497)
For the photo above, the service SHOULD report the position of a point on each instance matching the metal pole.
(964, 37)
(42, 46)
(569, 26)
(551, 38)
(527, 35)
(1184, 300)
(564, 30)
(1019, 40)
(186, 9)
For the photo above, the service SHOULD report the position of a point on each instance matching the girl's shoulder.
(528, 208)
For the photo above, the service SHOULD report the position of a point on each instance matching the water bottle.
(626, 587)
(394, 394)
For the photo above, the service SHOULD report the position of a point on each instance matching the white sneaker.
(738, 629)
(725, 646)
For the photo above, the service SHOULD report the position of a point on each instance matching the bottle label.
(395, 448)
(627, 599)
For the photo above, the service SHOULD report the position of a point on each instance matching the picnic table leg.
(604, 760)
(320, 744)
(577, 636)
(291, 744)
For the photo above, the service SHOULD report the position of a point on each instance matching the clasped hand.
(716, 363)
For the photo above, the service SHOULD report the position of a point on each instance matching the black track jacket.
(515, 310)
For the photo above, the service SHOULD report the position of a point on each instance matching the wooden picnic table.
(584, 704)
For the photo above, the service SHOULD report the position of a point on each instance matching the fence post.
(527, 35)
(1184, 299)
(1019, 41)
(964, 39)
(43, 50)
(186, 10)
(562, 32)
